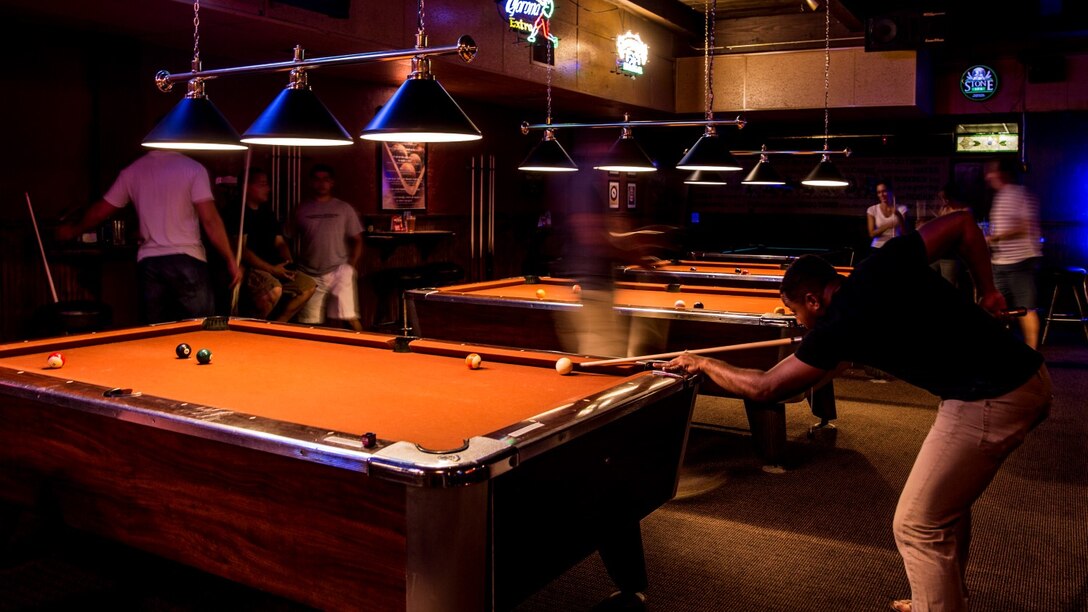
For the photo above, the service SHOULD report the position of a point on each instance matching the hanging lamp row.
(420, 111)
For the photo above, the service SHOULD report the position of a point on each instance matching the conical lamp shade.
(296, 118)
(705, 177)
(709, 153)
(627, 156)
(548, 156)
(825, 174)
(763, 174)
(194, 124)
(421, 111)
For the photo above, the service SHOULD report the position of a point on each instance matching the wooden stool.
(1071, 279)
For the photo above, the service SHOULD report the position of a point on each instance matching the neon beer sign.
(633, 54)
(532, 18)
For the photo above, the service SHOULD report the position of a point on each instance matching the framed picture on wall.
(613, 194)
(632, 192)
(403, 178)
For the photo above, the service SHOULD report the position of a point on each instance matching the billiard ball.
(697, 305)
(204, 356)
(540, 293)
(54, 361)
(564, 366)
(780, 310)
(473, 361)
(183, 351)
(576, 289)
(680, 304)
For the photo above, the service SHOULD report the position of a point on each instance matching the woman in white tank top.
(886, 220)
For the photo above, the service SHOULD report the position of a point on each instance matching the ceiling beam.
(671, 14)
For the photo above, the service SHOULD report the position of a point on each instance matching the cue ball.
(697, 305)
(54, 361)
(183, 351)
(780, 310)
(680, 304)
(576, 289)
(473, 361)
(564, 366)
(204, 356)
(540, 293)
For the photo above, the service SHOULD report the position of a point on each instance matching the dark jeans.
(174, 287)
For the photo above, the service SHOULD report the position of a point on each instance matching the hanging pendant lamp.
(709, 153)
(548, 156)
(763, 173)
(194, 124)
(705, 177)
(297, 118)
(626, 156)
(825, 174)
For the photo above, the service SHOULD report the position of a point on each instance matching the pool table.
(343, 470)
(510, 312)
(712, 273)
(776, 254)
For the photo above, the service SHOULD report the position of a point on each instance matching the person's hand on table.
(993, 302)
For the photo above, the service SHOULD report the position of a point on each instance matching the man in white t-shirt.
(173, 200)
(1015, 240)
(330, 245)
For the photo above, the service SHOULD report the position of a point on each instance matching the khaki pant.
(963, 451)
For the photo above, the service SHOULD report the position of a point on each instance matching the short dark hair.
(253, 173)
(807, 274)
(886, 182)
(952, 192)
(322, 168)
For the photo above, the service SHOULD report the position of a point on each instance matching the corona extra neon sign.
(633, 54)
(532, 18)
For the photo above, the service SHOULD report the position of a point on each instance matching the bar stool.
(1071, 279)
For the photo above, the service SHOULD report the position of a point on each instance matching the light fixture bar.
(847, 152)
(526, 127)
(465, 49)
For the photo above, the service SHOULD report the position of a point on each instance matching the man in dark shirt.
(273, 288)
(896, 314)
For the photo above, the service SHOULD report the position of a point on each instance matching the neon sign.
(978, 83)
(633, 54)
(533, 18)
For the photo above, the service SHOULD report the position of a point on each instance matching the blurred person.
(885, 219)
(173, 199)
(1015, 242)
(273, 288)
(330, 246)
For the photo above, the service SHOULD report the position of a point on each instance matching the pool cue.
(241, 232)
(1013, 312)
(715, 349)
(41, 247)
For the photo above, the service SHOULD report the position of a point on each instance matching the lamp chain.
(708, 42)
(419, 17)
(549, 81)
(827, 70)
(196, 35)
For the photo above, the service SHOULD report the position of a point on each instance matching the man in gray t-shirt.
(330, 245)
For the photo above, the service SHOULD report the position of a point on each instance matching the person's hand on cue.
(685, 362)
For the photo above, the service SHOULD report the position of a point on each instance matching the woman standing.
(886, 220)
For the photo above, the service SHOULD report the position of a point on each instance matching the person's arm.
(355, 249)
(97, 213)
(786, 379)
(212, 224)
(958, 233)
(901, 223)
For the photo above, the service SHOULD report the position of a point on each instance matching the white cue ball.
(680, 304)
(564, 366)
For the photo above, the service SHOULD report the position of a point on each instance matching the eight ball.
(183, 351)
(697, 305)
(204, 356)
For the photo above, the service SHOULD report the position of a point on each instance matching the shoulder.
(873, 210)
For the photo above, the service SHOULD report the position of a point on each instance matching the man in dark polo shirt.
(896, 314)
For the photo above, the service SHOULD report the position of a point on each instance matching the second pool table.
(510, 312)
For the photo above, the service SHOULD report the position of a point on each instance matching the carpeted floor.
(736, 538)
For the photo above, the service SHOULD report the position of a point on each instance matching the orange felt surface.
(653, 295)
(431, 400)
(716, 267)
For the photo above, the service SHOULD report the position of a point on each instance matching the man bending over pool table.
(896, 314)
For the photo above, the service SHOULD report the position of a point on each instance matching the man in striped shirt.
(1015, 243)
